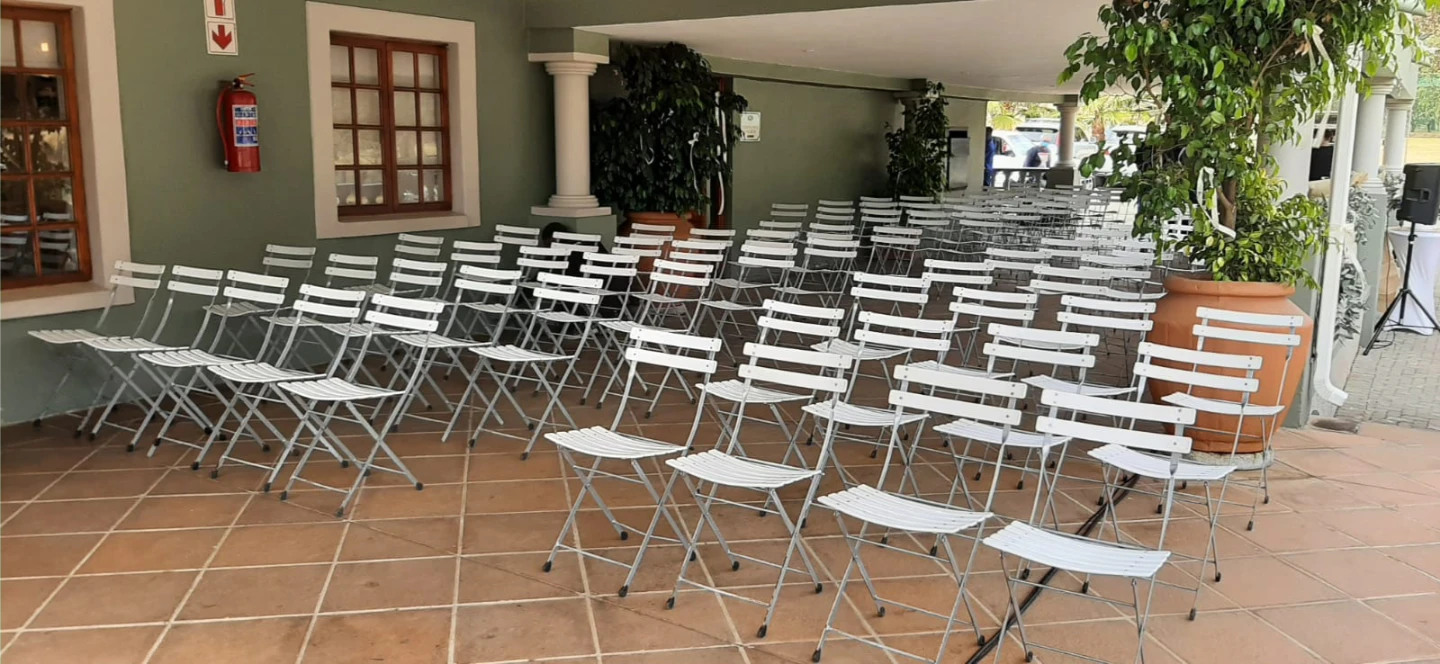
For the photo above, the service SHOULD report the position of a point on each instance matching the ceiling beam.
(579, 13)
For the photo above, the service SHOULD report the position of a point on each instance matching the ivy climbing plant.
(1231, 77)
(658, 147)
(919, 148)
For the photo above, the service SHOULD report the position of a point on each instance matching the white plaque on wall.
(750, 126)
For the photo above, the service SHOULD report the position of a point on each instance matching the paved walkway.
(1398, 384)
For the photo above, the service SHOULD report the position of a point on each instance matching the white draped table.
(1422, 279)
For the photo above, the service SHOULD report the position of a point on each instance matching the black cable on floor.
(1085, 528)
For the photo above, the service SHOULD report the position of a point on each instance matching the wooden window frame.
(62, 18)
(389, 166)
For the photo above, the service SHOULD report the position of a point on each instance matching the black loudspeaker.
(1420, 202)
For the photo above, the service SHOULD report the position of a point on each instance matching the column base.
(564, 201)
(598, 220)
(1062, 176)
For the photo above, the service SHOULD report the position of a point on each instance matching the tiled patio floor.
(115, 557)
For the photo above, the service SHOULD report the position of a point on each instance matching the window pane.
(41, 44)
(14, 203)
(54, 199)
(7, 42)
(434, 186)
(59, 252)
(372, 188)
(344, 188)
(367, 66)
(344, 147)
(429, 71)
(430, 147)
(50, 150)
(46, 98)
(367, 107)
(369, 148)
(9, 96)
(404, 109)
(16, 257)
(405, 148)
(409, 181)
(339, 63)
(12, 156)
(402, 70)
(339, 106)
(430, 109)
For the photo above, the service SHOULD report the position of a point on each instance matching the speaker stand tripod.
(1403, 298)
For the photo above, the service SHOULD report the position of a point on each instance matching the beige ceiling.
(1016, 45)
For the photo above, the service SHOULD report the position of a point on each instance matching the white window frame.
(322, 19)
(107, 206)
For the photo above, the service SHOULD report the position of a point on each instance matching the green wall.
(184, 208)
(815, 142)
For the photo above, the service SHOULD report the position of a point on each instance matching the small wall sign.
(220, 37)
(750, 127)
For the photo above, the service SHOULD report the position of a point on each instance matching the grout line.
(325, 587)
(459, 562)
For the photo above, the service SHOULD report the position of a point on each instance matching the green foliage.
(1232, 77)
(918, 149)
(658, 147)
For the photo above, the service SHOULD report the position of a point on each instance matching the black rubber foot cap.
(195, 465)
(1217, 577)
(266, 488)
(419, 486)
(934, 550)
(1029, 656)
(1192, 614)
(624, 590)
(530, 426)
(92, 437)
(284, 495)
(735, 566)
(815, 656)
(980, 641)
(977, 477)
(214, 474)
(265, 447)
(819, 588)
(1020, 484)
(345, 463)
(1024, 574)
(1266, 501)
(524, 456)
(880, 613)
(1085, 588)
(885, 539)
(36, 423)
(340, 513)
(692, 556)
(670, 603)
(548, 565)
(624, 535)
(1159, 509)
(209, 431)
(582, 401)
(648, 413)
(874, 453)
(78, 433)
(760, 633)
(129, 448)
(1250, 526)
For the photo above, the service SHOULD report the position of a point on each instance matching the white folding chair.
(760, 267)
(648, 348)
(144, 280)
(824, 270)
(823, 373)
(292, 263)
(321, 399)
(419, 247)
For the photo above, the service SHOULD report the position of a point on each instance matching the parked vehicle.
(1049, 128)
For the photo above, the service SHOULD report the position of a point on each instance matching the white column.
(1068, 111)
(1292, 160)
(1370, 131)
(572, 134)
(1397, 134)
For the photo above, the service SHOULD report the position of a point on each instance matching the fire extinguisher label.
(246, 120)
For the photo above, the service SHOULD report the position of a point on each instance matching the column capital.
(562, 67)
(591, 58)
(1399, 104)
(1068, 105)
(1381, 86)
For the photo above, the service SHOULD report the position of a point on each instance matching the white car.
(1049, 129)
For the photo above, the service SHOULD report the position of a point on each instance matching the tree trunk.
(1228, 209)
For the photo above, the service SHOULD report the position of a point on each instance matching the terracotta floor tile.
(718, 655)
(541, 465)
(511, 533)
(114, 457)
(116, 645)
(185, 512)
(990, 591)
(41, 460)
(800, 615)
(1312, 494)
(117, 599)
(104, 484)
(521, 496)
(1380, 526)
(1396, 434)
(187, 482)
(1327, 462)
(26, 487)
(1365, 573)
(1289, 532)
(520, 630)
(153, 551)
(233, 642)
(68, 516)
(406, 502)
(400, 538)
(1388, 489)
(45, 555)
(256, 592)
(1110, 640)
(279, 544)
(1419, 612)
(431, 471)
(640, 622)
(1424, 558)
(518, 577)
(657, 572)
(1367, 637)
(1259, 582)
(391, 584)
(1397, 458)
(417, 637)
(267, 509)
(1227, 638)
(22, 598)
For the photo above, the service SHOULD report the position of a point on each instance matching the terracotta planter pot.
(1174, 322)
(681, 223)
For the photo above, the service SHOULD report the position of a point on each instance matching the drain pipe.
(1340, 175)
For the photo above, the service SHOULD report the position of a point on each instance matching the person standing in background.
(992, 145)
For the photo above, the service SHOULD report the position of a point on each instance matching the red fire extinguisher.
(237, 115)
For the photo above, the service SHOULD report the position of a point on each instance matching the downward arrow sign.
(220, 9)
(222, 37)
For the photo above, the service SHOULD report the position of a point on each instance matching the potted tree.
(1230, 78)
(656, 149)
(918, 148)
